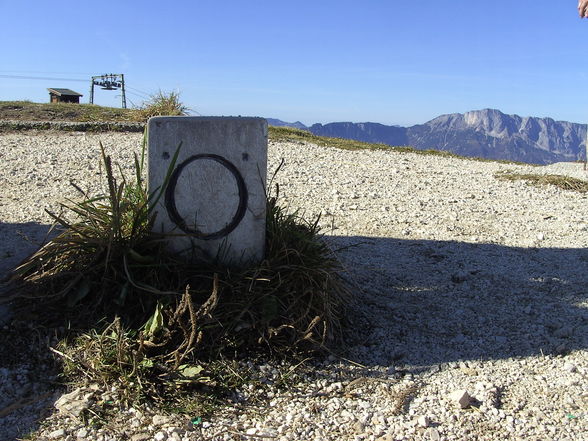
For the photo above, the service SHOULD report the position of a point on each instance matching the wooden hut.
(63, 96)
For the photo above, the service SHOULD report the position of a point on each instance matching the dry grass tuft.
(560, 181)
(144, 319)
(162, 104)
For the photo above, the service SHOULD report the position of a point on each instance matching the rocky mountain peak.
(486, 133)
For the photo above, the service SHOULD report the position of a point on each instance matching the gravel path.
(473, 291)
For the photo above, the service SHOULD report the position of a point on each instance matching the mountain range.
(487, 133)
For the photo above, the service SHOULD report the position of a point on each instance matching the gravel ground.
(472, 323)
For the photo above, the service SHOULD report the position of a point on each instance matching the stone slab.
(215, 201)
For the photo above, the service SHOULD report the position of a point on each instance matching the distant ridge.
(280, 123)
(486, 133)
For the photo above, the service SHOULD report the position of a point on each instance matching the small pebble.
(461, 397)
(160, 436)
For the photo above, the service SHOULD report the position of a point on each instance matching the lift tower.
(109, 82)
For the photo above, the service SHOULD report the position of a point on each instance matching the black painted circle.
(170, 198)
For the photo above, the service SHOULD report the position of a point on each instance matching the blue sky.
(388, 61)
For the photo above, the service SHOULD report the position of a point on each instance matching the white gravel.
(467, 284)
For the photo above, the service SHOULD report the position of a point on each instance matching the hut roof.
(63, 92)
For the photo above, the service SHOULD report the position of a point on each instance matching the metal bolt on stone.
(214, 203)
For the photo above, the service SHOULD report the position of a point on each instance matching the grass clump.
(101, 243)
(158, 327)
(162, 104)
(560, 181)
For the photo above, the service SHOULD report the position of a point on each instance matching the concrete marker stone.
(215, 201)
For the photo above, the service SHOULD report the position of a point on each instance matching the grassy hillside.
(29, 111)
(161, 103)
(297, 135)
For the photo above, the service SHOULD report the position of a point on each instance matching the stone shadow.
(426, 303)
(18, 241)
(27, 369)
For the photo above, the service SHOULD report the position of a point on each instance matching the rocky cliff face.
(492, 134)
(484, 133)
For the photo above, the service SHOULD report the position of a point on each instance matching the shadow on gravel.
(432, 302)
(19, 241)
(28, 379)
(423, 303)
(27, 368)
